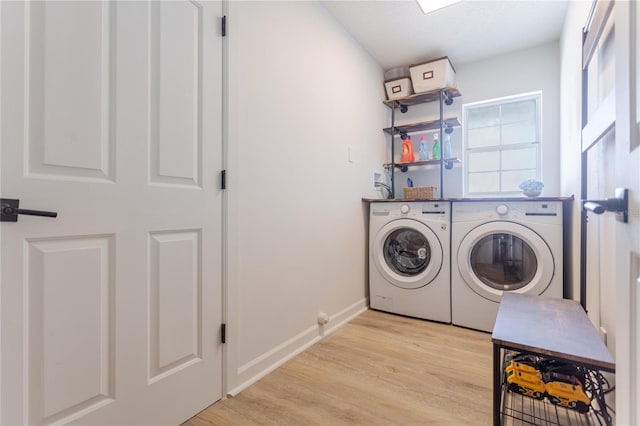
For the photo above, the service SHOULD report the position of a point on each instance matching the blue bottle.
(424, 148)
(447, 147)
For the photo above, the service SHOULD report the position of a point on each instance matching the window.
(501, 144)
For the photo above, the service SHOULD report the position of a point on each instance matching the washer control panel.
(502, 209)
(436, 211)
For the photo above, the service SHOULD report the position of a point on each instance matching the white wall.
(301, 91)
(523, 71)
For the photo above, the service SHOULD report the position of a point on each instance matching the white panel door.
(628, 251)
(111, 116)
(617, 154)
(625, 167)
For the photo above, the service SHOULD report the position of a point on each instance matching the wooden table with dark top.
(549, 327)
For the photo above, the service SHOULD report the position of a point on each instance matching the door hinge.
(223, 333)
(223, 179)
(224, 26)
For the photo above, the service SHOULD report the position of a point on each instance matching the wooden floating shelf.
(423, 126)
(454, 160)
(420, 98)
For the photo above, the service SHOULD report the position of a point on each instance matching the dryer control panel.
(531, 211)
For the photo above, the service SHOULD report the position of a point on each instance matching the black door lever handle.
(9, 211)
(619, 205)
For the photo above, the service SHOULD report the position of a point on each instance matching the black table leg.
(497, 391)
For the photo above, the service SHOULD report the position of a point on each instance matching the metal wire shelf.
(520, 410)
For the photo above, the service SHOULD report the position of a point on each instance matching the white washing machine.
(409, 262)
(502, 246)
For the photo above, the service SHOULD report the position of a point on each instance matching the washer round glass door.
(504, 256)
(407, 253)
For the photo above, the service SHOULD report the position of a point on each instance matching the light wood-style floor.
(379, 369)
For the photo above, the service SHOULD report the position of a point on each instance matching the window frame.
(537, 97)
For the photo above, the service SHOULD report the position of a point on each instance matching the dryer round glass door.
(505, 256)
(407, 253)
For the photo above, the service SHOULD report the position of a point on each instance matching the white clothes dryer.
(409, 262)
(500, 246)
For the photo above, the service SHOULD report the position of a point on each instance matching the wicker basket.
(420, 193)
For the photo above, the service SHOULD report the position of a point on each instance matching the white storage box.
(433, 75)
(395, 73)
(398, 88)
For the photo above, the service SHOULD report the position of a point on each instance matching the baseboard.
(259, 367)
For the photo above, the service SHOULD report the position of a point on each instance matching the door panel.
(110, 312)
(176, 104)
(175, 321)
(71, 351)
(601, 242)
(69, 98)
